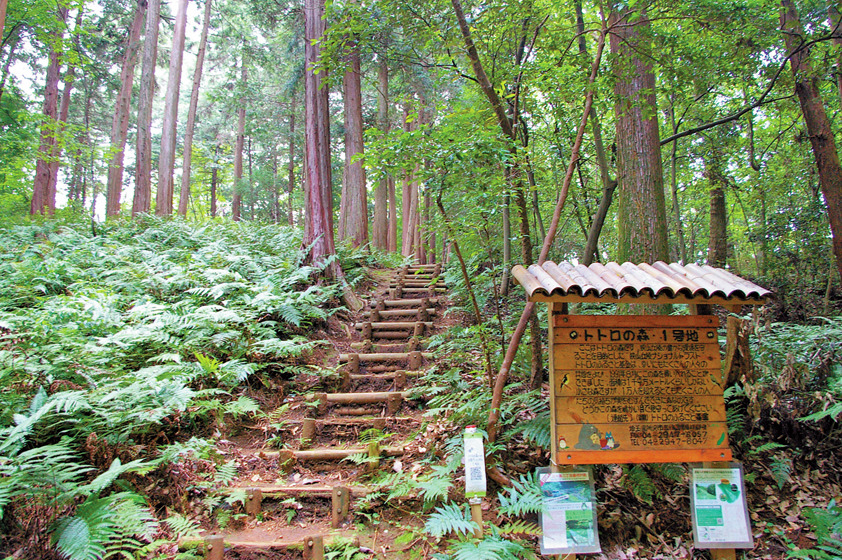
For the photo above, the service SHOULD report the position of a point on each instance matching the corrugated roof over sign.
(615, 281)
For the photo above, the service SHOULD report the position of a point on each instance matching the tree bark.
(356, 211)
(718, 241)
(166, 161)
(122, 112)
(214, 181)
(393, 216)
(641, 213)
(184, 195)
(318, 233)
(818, 125)
(143, 167)
(40, 203)
(380, 231)
(291, 164)
(237, 198)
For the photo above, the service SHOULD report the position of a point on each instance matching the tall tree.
(184, 195)
(143, 167)
(318, 231)
(166, 160)
(291, 163)
(122, 111)
(641, 211)
(40, 203)
(237, 198)
(818, 125)
(380, 225)
(63, 111)
(355, 215)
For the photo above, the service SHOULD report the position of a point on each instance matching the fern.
(640, 483)
(492, 547)
(227, 473)
(781, 468)
(435, 486)
(523, 497)
(450, 518)
(183, 527)
(103, 523)
(536, 431)
(521, 528)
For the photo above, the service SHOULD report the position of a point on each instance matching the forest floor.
(782, 483)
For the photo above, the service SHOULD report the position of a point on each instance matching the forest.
(202, 202)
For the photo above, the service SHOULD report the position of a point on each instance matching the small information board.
(637, 389)
(475, 482)
(568, 520)
(718, 507)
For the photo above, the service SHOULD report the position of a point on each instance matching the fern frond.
(449, 518)
(520, 527)
(183, 527)
(226, 473)
(523, 497)
(640, 483)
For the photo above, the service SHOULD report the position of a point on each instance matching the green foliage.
(450, 518)
(109, 339)
(827, 525)
(637, 480)
(524, 497)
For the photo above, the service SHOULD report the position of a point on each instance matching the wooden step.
(389, 313)
(394, 325)
(364, 398)
(327, 454)
(411, 302)
(384, 356)
(357, 421)
(315, 490)
(368, 347)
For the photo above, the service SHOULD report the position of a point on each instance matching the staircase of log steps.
(375, 377)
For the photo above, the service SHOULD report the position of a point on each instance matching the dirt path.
(304, 472)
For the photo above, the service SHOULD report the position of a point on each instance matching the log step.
(394, 325)
(384, 356)
(386, 314)
(412, 302)
(328, 454)
(368, 347)
(358, 421)
(388, 375)
(364, 398)
(314, 490)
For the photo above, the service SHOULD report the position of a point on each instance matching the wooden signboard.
(637, 389)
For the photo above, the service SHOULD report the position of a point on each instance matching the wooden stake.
(723, 554)
(321, 408)
(476, 516)
(393, 403)
(308, 432)
(314, 548)
(286, 459)
(340, 500)
(415, 359)
(373, 457)
(215, 547)
(254, 500)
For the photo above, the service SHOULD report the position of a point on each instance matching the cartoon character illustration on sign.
(589, 438)
(562, 443)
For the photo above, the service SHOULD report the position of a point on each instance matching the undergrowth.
(115, 348)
